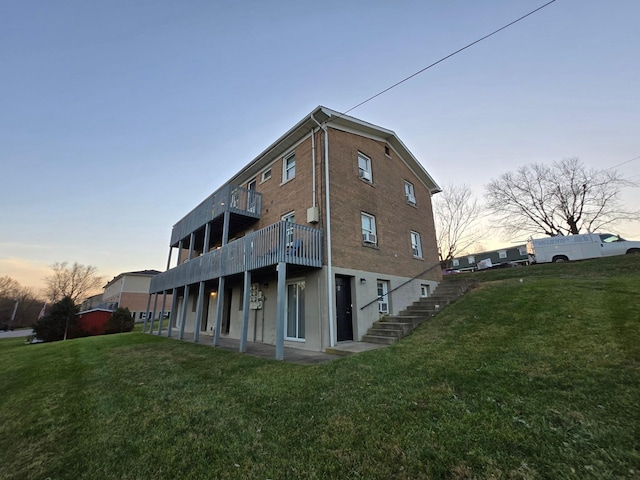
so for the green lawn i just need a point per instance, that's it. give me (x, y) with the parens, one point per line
(533, 374)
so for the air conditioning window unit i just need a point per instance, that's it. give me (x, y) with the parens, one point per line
(369, 238)
(365, 175)
(411, 199)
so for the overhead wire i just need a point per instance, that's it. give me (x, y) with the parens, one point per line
(449, 56)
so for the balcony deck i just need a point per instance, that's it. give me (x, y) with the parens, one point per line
(240, 202)
(280, 242)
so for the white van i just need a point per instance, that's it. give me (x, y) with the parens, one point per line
(578, 247)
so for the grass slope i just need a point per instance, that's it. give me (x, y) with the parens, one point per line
(527, 379)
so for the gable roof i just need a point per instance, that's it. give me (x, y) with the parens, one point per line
(340, 121)
(139, 273)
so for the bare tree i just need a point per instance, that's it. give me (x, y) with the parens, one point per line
(456, 214)
(19, 306)
(563, 198)
(76, 281)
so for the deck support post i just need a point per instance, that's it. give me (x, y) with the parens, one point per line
(281, 310)
(219, 312)
(174, 311)
(196, 333)
(185, 309)
(161, 319)
(153, 314)
(245, 311)
(144, 325)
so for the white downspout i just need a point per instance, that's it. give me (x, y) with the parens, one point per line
(328, 216)
(313, 168)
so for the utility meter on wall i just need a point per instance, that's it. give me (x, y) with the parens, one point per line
(255, 299)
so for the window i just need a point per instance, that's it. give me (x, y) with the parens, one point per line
(364, 167)
(295, 311)
(369, 229)
(251, 200)
(416, 245)
(387, 151)
(291, 218)
(383, 296)
(289, 168)
(266, 175)
(424, 290)
(409, 193)
(502, 254)
(455, 262)
(235, 198)
(471, 259)
(522, 250)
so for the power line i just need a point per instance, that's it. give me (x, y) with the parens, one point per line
(623, 163)
(449, 56)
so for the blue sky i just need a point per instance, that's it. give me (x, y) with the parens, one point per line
(118, 117)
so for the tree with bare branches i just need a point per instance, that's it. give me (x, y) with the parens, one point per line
(19, 305)
(76, 282)
(457, 214)
(563, 198)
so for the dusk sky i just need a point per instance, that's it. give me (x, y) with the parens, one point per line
(118, 117)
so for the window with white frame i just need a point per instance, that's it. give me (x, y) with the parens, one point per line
(291, 218)
(364, 167)
(289, 167)
(424, 290)
(471, 259)
(251, 197)
(522, 250)
(502, 254)
(266, 175)
(409, 193)
(295, 311)
(416, 244)
(383, 296)
(369, 235)
(455, 262)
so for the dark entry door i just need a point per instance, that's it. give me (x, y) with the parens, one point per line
(343, 309)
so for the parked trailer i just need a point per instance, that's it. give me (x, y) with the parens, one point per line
(579, 247)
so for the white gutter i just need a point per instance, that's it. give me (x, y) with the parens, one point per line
(328, 217)
(313, 167)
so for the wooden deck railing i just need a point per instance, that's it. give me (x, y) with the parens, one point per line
(279, 242)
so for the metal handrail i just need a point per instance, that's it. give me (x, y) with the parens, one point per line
(401, 285)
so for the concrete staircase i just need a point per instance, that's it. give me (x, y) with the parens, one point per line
(392, 328)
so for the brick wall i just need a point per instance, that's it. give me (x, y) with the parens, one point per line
(384, 198)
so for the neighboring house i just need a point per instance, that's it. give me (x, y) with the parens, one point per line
(308, 244)
(129, 290)
(508, 256)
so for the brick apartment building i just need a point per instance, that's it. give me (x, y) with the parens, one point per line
(129, 290)
(308, 244)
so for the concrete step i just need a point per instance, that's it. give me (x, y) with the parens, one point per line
(379, 339)
(381, 332)
(392, 327)
(386, 325)
(422, 309)
(411, 321)
(433, 301)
